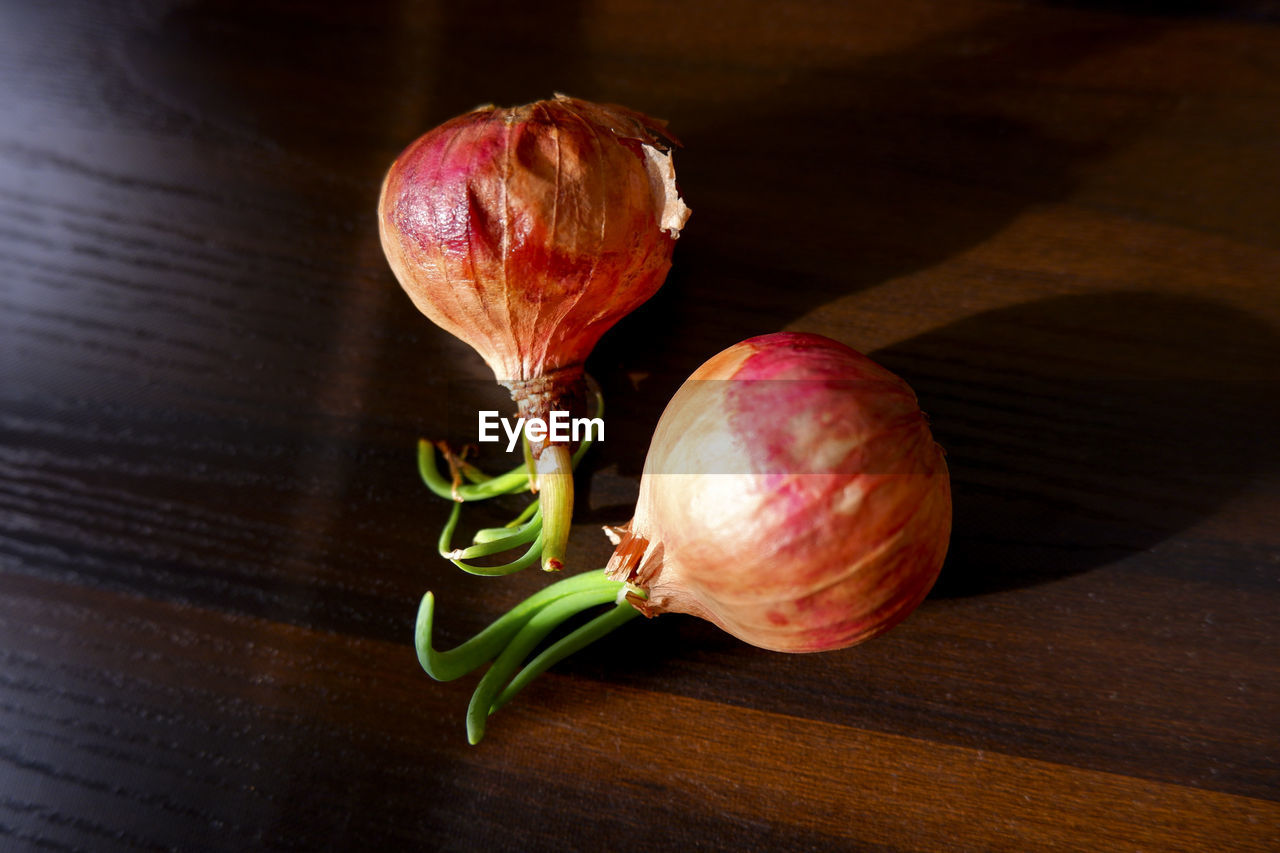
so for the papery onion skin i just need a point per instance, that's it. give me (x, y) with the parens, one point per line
(528, 232)
(801, 506)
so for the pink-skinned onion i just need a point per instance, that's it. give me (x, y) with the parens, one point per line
(792, 495)
(528, 232)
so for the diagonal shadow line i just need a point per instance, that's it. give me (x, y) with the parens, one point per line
(848, 177)
(1081, 430)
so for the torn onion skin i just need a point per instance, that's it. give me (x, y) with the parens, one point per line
(528, 232)
(792, 495)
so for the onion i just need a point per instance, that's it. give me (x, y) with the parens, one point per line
(527, 233)
(792, 495)
(800, 506)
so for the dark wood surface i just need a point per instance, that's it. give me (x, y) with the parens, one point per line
(1060, 222)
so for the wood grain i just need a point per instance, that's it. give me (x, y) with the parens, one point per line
(821, 781)
(1060, 222)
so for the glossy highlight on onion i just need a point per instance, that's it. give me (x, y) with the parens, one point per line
(792, 495)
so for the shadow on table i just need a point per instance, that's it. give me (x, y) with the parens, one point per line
(1083, 429)
(848, 177)
(1079, 430)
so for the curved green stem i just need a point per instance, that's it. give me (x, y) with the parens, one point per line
(530, 532)
(526, 639)
(491, 534)
(598, 399)
(545, 532)
(445, 543)
(509, 640)
(524, 561)
(575, 641)
(471, 472)
(483, 647)
(515, 480)
(490, 545)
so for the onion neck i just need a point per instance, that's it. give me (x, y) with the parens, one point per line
(550, 465)
(467, 483)
(561, 389)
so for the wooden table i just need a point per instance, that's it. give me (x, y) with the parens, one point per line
(1060, 224)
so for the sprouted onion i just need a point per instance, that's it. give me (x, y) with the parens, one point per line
(792, 495)
(527, 233)
(467, 483)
